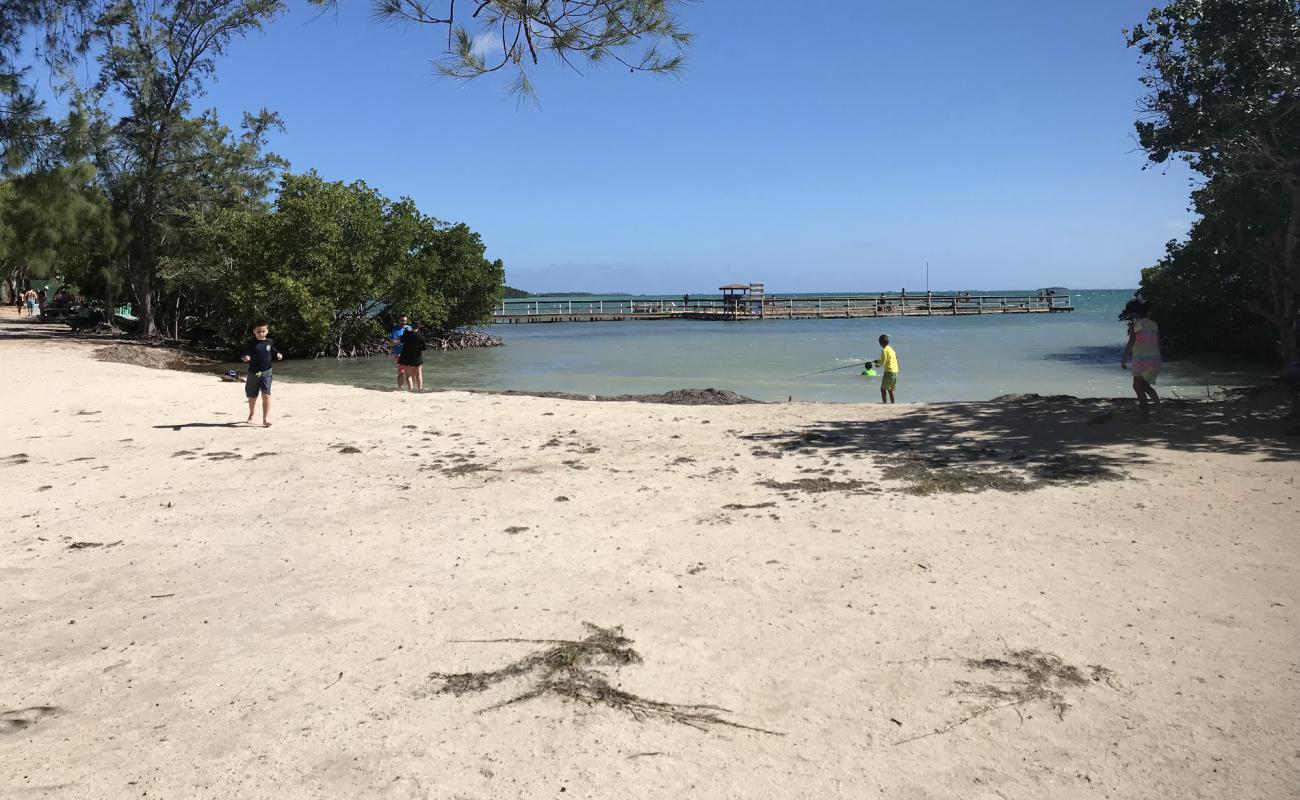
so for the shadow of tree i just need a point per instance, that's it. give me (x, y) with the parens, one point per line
(1020, 443)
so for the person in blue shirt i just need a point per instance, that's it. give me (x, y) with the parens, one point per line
(403, 325)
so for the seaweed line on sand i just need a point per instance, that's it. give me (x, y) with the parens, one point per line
(1023, 677)
(820, 485)
(569, 669)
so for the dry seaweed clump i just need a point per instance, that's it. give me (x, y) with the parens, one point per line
(923, 477)
(570, 670)
(1020, 678)
(1030, 676)
(820, 486)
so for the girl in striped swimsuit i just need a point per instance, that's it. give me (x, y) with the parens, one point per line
(1143, 350)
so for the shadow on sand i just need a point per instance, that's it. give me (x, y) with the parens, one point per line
(178, 426)
(1040, 441)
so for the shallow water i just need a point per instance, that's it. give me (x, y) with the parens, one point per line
(941, 358)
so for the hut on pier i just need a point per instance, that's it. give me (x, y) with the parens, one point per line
(742, 299)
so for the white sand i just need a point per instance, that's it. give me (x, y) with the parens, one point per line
(199, 655)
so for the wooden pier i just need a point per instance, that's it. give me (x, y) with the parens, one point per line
(764, 306)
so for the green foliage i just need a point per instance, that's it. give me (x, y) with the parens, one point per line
(56, 28)
(134, 192)
(1224, 95)
(511, 293)
(53, 221)
(318, 262)
(332, 263)
(1222, 76)
(1202, 286)
(159, 162)
(639, 35)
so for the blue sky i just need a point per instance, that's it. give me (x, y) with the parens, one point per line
(835, 150)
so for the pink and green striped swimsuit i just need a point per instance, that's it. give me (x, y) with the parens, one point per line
(1146, 349)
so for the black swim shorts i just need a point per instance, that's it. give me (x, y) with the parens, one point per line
(258, 382)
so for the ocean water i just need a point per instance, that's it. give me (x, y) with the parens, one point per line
(940, 358)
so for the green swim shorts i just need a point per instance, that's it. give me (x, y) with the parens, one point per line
(889, 381)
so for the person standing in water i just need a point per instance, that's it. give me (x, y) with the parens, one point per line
(888, 362)
(1143, 350)
(403, 325)
(411, 361)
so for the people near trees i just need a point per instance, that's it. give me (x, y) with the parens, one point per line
(411, 360)
(1143, 350)
(403, 325)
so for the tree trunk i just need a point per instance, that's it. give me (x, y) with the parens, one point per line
(143, 285)
(1289, 285)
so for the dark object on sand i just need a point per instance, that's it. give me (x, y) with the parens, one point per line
(1033, 398)
(1017, 679)
(676, 397)
(569, 670)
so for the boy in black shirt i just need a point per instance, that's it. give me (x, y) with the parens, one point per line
(259, 354)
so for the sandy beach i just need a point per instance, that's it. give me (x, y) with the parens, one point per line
(1026, 598)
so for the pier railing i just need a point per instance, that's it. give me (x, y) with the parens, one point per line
(777, 306)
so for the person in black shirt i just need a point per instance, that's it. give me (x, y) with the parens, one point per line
(259, 354)
(412, 358)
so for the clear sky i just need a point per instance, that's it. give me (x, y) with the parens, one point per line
(840, 149)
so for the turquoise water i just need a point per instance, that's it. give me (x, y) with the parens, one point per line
(941, 358)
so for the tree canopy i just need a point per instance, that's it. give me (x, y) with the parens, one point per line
(1223, 80)
(332, 263)
(483, 37)
(139, 195)
(487, 36)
